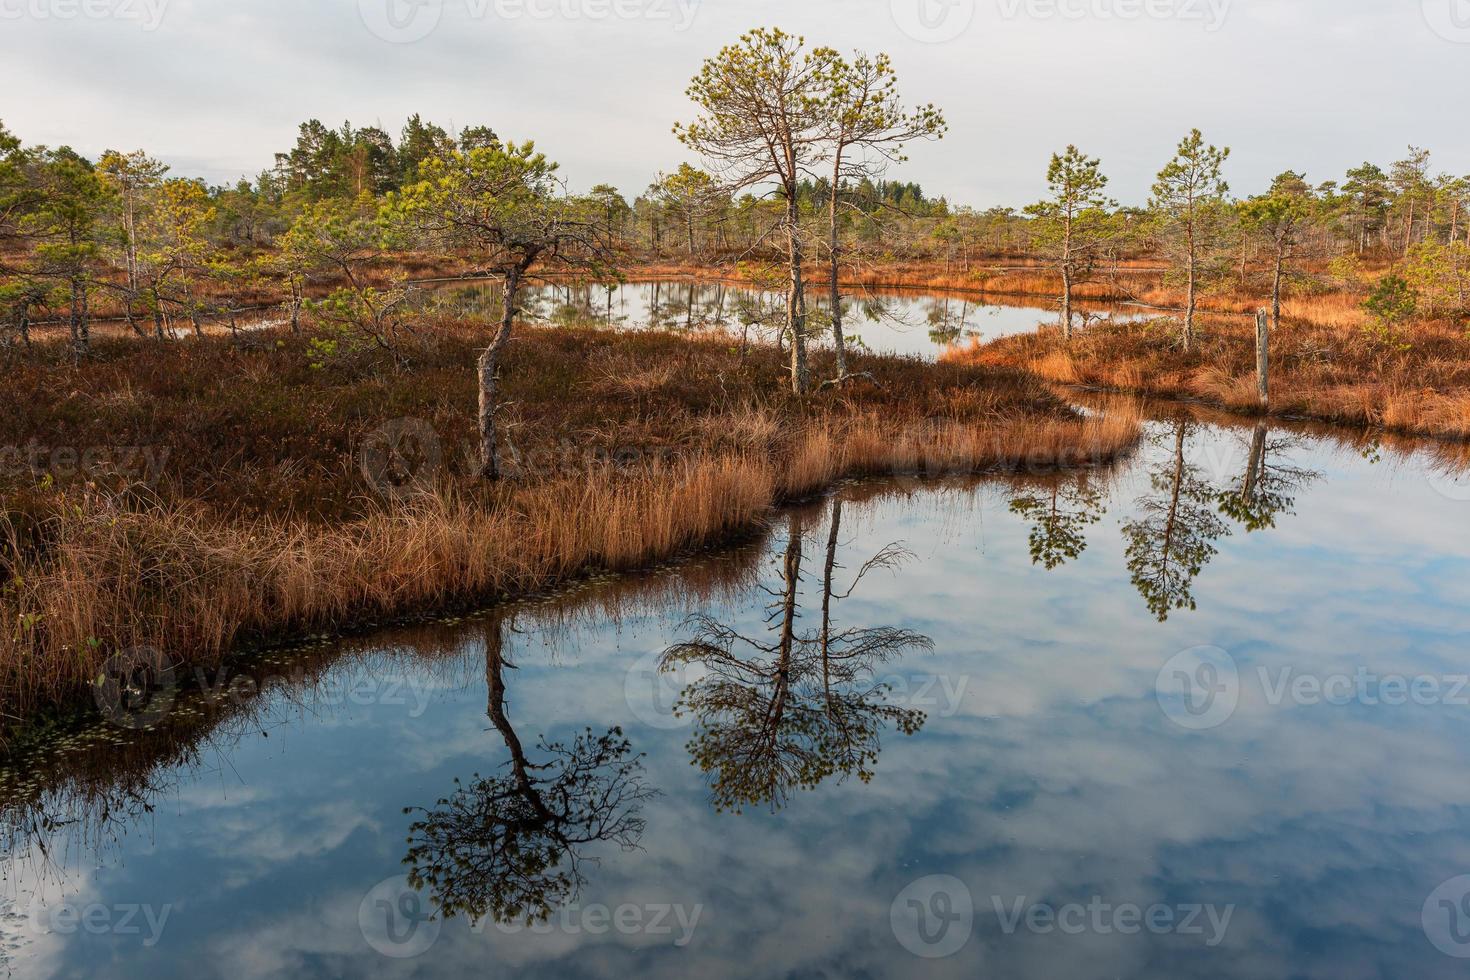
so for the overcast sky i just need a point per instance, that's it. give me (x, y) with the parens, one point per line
(215, 87)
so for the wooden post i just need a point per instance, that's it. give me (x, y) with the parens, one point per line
(1263, 347)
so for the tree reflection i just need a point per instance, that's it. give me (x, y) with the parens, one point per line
(1060, 513)
(795, 707)
(948, 325)
(1172, 538)
(1267, 489)
(511, 845)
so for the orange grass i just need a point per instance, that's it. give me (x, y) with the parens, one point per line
(262, 528)
(1417, 384)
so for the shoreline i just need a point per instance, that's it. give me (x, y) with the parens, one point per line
(94, 574)
(1420, 390)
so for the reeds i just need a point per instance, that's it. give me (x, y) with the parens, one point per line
(1417, 382)
(226, 551)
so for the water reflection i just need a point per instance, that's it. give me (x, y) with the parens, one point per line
(1060, 512)
(1192, 498)
(1270, 485)
(513, 846)
(795, 707)
(883, 320)
(1049, 775)
(1173, 535)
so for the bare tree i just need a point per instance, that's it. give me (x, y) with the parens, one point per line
(795, 708)
(763, 122)
(868, 129)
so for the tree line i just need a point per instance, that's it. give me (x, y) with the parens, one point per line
(794, 144)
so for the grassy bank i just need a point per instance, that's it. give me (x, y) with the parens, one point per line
(1141, 283)
(1416, 383)
(189, 498)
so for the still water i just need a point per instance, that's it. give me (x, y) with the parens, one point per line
(887, 321)
(1201, 714)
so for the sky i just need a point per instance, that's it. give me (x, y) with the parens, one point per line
(216, 87)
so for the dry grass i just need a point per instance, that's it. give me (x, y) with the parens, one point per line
(262, 528)
(1010, 279)
(1419, 384)
(1138, 282)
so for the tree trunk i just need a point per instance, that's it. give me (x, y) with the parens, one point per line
(835, 291)
(1066, 302)
(796, 297)
(132, 318)
(80, 329)
(1191, 301)
(1276, 287)
(827, 573)
(23, 322)
(489, 367)
(1263, 349)
(1253, 464)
